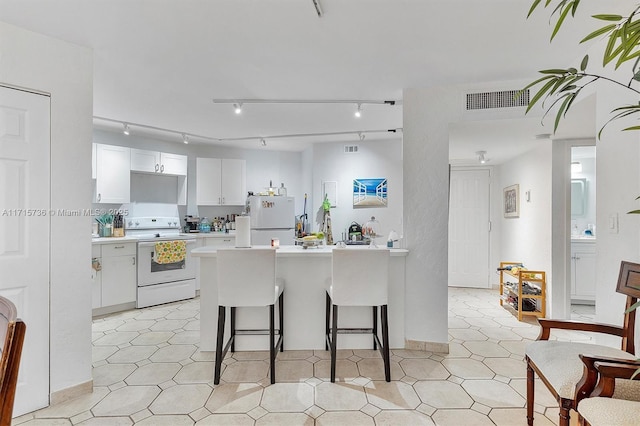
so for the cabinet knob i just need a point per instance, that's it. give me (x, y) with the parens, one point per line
(162, 169)
(134, 260)
(157, 167)
(99, 197)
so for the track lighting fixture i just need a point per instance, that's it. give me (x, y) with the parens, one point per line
(481, 157)
(237, 108)
(186, 138)
(358, 113)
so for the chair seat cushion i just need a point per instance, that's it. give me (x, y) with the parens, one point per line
(560, 364)
(609, 411)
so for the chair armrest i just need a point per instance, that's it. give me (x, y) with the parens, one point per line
(547, 324)
(590, 383)
(609, 372)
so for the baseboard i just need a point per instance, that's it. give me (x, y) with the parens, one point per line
(419, 345)
(63, 395)
(113, 309)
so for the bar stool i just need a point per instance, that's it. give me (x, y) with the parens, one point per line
(359, 277)
(247, 277)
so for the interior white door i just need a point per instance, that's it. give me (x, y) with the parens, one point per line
(25, 233)
(469, 229)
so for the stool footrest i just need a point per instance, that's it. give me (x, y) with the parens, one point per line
(355, 330)
(250, 332)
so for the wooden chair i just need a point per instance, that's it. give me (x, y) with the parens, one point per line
(615, 399)
(558, 363)
(12, 331)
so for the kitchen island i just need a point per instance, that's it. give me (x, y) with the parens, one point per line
(305, 272)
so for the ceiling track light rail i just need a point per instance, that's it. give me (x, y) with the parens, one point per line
(304, 101)
(188, 137)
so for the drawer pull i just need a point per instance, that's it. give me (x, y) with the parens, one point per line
(118, 247)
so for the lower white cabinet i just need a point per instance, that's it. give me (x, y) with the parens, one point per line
(219, 240)
(116, 280)
(583, 270)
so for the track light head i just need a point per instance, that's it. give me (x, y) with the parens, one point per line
(361, 136)
(237, 108)
(125, 129)
(358, 112)
(263, 142)
(481, 157)
(185, 139)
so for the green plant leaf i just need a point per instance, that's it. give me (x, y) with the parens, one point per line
(562, 110)
(554, 71)
(533, 7)
(632, 128)
(605, 17)
(632, 307)
(598, 32)
(540, 94)
(583, 64)
(561, 19)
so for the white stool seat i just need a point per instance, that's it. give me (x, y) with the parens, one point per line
(359, 277)
(247, 278)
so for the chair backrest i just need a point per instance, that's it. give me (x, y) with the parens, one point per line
(12, 332)
(360, 276)
(246, 276)
(629, 285)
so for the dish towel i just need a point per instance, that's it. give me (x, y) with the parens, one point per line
(170, 252)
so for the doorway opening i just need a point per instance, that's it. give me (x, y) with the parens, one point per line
(583, 230)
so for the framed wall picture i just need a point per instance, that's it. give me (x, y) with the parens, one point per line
(370, 192)
(512, 201)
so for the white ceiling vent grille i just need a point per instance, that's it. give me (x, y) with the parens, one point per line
(503, 99)
(350, 149)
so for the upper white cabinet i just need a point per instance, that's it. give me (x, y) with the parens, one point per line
(158, 162)
(220, 182)
(113, 180)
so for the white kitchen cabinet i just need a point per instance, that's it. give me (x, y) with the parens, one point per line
(220, 182)
(113, 178)
(158, 162)
(118, 273)
(583, 270)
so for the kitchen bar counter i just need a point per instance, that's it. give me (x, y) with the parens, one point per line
(305, 272)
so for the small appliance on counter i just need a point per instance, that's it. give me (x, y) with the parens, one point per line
(192, 224)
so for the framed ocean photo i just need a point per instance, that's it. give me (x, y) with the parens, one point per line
(370, 192)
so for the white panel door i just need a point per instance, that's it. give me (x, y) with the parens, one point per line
(469, 229)
(25, 232)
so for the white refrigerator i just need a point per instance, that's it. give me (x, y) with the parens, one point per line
(272, 217)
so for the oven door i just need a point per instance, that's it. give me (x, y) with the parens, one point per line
(150, 272)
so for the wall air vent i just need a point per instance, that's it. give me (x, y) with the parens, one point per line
(350, 149)
(503, 99)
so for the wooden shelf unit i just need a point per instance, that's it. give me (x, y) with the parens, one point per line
(537, 278)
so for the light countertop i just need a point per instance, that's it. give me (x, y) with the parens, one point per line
(293, 251)
(127, 238)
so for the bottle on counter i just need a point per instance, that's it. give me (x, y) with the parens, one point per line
(282, 190)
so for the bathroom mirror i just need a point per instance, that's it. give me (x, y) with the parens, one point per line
(578, 195)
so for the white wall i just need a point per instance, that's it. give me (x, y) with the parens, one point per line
(374, 159)
(65, 71)
(527, 238)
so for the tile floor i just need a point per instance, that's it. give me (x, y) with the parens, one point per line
(147, 370)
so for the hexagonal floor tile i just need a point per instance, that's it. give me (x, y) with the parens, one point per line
(287, 397)
(392, 395)
(443, 394)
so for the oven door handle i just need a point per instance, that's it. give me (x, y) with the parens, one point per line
(149, 244)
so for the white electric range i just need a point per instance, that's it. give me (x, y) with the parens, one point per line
(160, 281)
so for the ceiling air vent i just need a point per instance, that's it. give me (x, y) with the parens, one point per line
(503, 99)
(350, 149)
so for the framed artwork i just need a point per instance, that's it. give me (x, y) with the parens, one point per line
(512, 201)
(370, 192)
